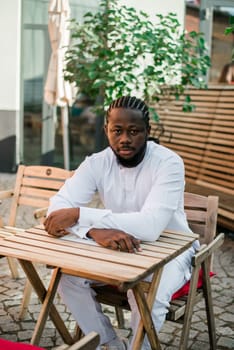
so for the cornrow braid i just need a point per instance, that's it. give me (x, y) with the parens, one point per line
(130, 102)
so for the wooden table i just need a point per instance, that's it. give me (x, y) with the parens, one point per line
(123, 270)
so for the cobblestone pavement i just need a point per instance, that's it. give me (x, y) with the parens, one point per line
(12, 328)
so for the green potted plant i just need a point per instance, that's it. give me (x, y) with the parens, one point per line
(118, 51)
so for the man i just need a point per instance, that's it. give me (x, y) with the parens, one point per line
(141, 185)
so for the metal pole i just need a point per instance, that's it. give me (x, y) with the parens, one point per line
(65, 128)
(48, 134)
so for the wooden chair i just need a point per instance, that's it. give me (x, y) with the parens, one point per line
(88, 342)
(202, 216)
(34, 185)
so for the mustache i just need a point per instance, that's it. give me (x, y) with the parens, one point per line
(126, 148)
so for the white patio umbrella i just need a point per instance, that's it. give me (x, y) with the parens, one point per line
(57, 91)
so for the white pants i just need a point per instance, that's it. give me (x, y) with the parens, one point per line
(80, 299)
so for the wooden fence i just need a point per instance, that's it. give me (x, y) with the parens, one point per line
(204, 139)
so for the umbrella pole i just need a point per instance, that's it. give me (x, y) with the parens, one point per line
(48, 134)
(65, 129)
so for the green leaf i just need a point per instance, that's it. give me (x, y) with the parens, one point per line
(153, 113)
(98, 83)
(92, 74)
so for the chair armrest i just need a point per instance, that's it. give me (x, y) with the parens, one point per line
(40, 213)
(6, 194)
(208, 250)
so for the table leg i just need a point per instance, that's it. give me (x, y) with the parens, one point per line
(145, 302)
(46, 297)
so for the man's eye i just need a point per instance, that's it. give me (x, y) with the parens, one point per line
(117, 131)
(134, 132)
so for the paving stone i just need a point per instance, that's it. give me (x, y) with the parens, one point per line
(25, 335)
(193, 334)
(230, 308)
(46, 343)
(203, 337)
(10, 326)
(11, 337)
(170, 327)
(218, 303)
(176, 341)
(219, 323)
(5, 319)
(226, 343)
(27, 325)
(198, 345)
(225, 331)
(49, 332)
(227, 317)
(27, 317)
(217, 310)
(196, 317)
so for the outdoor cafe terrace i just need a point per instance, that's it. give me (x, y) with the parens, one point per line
(12, 328)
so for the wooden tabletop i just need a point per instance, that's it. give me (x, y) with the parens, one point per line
(93, 261)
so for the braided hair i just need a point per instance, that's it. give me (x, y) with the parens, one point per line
(130, 102)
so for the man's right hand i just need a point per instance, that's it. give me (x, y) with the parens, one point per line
(115, 239)
(59, 220)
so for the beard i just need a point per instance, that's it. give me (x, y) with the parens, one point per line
(135, 160)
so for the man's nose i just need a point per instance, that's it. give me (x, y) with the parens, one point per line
(125, 138)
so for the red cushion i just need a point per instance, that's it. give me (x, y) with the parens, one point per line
(10, 345)
(185, 289)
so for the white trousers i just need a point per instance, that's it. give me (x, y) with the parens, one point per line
(79, 297)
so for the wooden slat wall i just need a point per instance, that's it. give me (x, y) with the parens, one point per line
(204, 139)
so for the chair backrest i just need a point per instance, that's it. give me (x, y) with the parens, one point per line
(202, 212)
(34, 186)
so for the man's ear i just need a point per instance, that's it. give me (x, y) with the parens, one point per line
(149, 129)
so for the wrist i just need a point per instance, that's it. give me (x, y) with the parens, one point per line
(76, 215)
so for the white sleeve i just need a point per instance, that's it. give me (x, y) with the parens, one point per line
(77, 192)
(157, 211)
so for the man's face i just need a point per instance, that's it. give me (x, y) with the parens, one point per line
(126, 131)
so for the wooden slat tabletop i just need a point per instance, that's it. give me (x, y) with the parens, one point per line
(93, 261)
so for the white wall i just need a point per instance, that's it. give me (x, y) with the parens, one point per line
(10, 32)
(163, 7)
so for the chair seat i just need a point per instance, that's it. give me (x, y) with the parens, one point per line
(110, 296)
